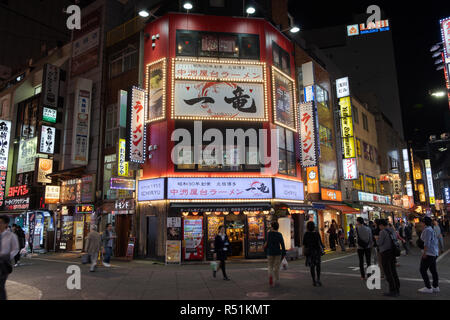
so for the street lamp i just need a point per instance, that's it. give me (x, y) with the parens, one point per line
(251, 10)
(294, 29)
(188, 6)
(438, 94)
(144, 13)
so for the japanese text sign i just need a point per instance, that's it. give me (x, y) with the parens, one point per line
(152, 189)
(308, 135)
(5, 135)
(136, 139)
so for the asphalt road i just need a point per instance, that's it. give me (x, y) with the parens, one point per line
(45, 278)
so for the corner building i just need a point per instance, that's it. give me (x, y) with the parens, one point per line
(223, 73)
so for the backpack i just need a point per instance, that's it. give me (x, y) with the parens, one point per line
(363, 244)
(395, 244)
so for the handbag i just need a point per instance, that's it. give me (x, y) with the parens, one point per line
(361, 242)
(395, 245)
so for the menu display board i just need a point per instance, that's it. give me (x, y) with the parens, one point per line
(173, 252)
(174, 228)
(213, 229)
(193, 238)
(256, 235)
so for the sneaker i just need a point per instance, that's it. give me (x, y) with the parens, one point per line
(425, 290)
(106, 264)
(226, 279)
(436, 290)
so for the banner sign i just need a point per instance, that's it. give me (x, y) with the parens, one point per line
(136, 139)
(445, 32)
(52, 194)
(47, 144)
(45, 167)
(123, 184)
(49, 115)
(312, 179)
(308, 135)
(50, 86)
(27, 155)
(5, 135)
(17, 203)
(284, 103)
(430, 182)
(2, 187)
(81, 122)
(290, 190)
(350, 169)
(197, 100)
(219, 188)
(122, 170)
(342, 87)
(152, 189)
(375, 198)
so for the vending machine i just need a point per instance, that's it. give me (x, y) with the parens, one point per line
(193, 238)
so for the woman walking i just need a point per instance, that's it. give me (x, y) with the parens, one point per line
(333, 236)
(351, 237)
(313, 249)
(221, 246)
(276, 252)
(341, 237)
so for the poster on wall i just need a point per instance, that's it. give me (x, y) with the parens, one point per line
(307, 135)
(173, 252)
(5, 135)
(47, 144)
(50, 86)
(27, 155)
(174, 228)
(219, 101)
(283, 100)
(136, 138)
(45, 167)
(157, 90)
(81, 122)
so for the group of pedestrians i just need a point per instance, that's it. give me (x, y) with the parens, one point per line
(96, 242)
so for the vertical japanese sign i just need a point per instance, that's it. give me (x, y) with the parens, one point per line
(123, 100)
(445, 32)
(430, 182)
(307, 135)
(122, 169)
(136, 138)
(2, 187)
(81, 122)
(27, 155)
(47, 144)
(5, 135)
(49, 115)
(342, 87)
(350, 169)
(50, 86)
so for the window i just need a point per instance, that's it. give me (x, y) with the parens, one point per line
(365, 122)
(322, 96)
(281, 58)
(359, 184)
(366, 151)
(358, 148)
(112, 129)
(326, 137)
(207, 44)
(355, 115)
(287, 162)
(123, 61)
(371, 184)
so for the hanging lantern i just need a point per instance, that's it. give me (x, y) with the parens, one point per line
(225, 213)
(208, 213)
(236, 213)
(185, 214)
(266, 212)
(195, 213)
(217, 213)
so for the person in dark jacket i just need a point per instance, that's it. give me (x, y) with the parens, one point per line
(221, 249)
(21, 237)
(333, 235)
(351, 237)
(276, 251)
(313, 249)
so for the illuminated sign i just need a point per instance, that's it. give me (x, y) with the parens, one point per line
(45, 167)
(309, 93)
(5, 134)
(312, 177)
(50, 86)
(17, 203)
(375, 198)
(348, 140)
(406, 160)
(378, 26)
(156, 88)
(353, 30)
(290, 190)
(219, 188)
(445, 33)
(2, 186)
(81, 122)
(430, 182)
(123, 184)
(18, 191)
(409, 189)
(342, 87)
(84, 209)
(122, 169)
(308, 139)
(284, 102)
(52, 194)
(331, 195)
(152, 189)
(136, 139)
(447, 195)
(49, 115)
(124, 204)
(350, 169)
(47, 144)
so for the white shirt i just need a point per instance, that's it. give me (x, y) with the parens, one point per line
(10, 244)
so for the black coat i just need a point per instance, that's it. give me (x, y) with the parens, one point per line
(220, 245)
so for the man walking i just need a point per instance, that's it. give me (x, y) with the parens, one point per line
(108, 243)
(365, 244)
(21, 238)
(429, 256)
(9, 247)
(385, 244)
(438, 231)
(93, 246)
(403, 234)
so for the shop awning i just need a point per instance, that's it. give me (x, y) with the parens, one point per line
(353, 205)
(204, 207)
(343, 208)
(388, 208)
(68, 174)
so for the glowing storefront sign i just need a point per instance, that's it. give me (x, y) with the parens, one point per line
(287, 189)
(430, 182)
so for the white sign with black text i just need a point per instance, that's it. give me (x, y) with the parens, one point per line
(150, 190)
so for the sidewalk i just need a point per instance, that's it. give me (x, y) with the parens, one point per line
(19, 291)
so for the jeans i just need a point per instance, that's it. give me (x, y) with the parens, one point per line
(274, 263)
(390, 270)
(2, 286)
(108, 254)
(429, 262)
(361, 253)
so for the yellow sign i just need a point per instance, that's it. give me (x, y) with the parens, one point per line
(346, 107)
(123, 165)
(349, 147)
(347, 127)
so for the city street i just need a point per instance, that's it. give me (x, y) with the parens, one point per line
(45, 277)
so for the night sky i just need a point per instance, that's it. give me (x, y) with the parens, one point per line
(415, 28)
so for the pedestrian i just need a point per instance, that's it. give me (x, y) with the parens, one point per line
(377, 257)
(313, 249)
(108, 244)
(351, 236)
(408, 234)
(437, 229)
(365, 243)
(18, 231)
(276, 251)
(221, 249)
(9, 247)
(93, 246)
(403, 234)
(386, 245)
(332, 235)
(341, 237)
(429, 257)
